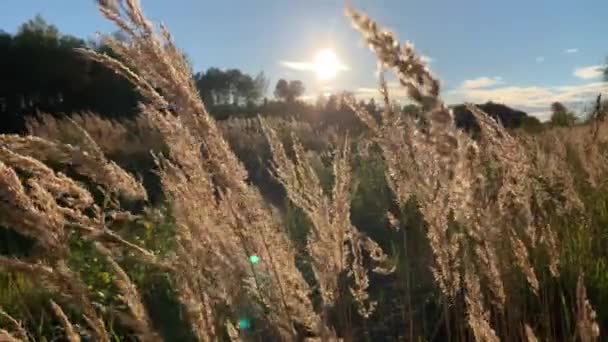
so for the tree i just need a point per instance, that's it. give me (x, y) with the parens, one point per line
(532, 124)
(236, 82)
(260, 83)
(320, 102)
(371, 106)
(42, 72)
(281, 90)
(412, 110)
(289, 91)
(296, 89)
(213, 85)
(232, 86)
(248, 89)
(507, 116)
(561, 116)
(331, 105)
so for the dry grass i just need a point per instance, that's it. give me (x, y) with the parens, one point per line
(334, 244)
(113, 138)
(446, 171)
(480, 200)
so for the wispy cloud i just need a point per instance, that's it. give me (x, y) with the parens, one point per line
(481, 82)
(366, 91)
(427, 59)
(542, 115)
(535, 100)
(307, 98)
(298, 65)
(589, 72)
(573, 50)
(540, 59)
(396, 91)
(310, 66)
(532, 98)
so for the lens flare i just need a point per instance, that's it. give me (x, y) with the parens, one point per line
(254, 259)
(244, 323)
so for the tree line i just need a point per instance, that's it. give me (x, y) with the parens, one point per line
(40, 71)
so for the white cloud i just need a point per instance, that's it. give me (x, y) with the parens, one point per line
(532, 98)
(481, 82)
(366, 90)
(307, 98)
(589, 72)
(535, 100)
(315, 64)
(396, 91)
(427, 59)
(542, 115)
(573, 50)
(298, 65)
(540, 59)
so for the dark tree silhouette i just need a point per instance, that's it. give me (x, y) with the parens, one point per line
(296, 89)
(41, 71)
(218, 87)
(289, 91)
(561, 116)
(507, 116)
(281, 90)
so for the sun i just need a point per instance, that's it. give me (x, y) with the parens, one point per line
(326, 64)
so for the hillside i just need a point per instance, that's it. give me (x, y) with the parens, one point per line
(509, 117)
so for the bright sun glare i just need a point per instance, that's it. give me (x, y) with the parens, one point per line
(326, 64)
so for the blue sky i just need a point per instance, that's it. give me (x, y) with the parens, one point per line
(526, 53)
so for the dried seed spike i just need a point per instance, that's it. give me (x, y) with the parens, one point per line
(70, 332)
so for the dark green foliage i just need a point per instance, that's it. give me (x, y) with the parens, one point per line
(408, 299)
(508, 117)
(288, 91)
(42, 72)
(410, 110)
(563, 119)
(218, 87)
(532, 125)
(14, 244)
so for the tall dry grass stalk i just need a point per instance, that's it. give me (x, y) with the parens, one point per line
(586, 143)
(44, 204)
(334, 244)
(19, 334)
(586, 325)
(488, 186)
(70, 333)
(221, 219)
(113, 137)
